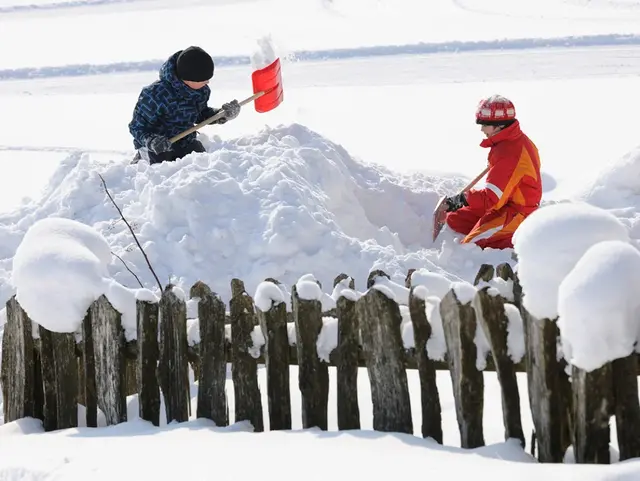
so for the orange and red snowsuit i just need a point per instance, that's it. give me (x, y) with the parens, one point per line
(513, 191)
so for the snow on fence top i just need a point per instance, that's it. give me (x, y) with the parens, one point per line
(60, 269)
(599, 305)
(551, 241)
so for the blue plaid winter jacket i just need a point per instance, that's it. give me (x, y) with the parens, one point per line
(168, 106)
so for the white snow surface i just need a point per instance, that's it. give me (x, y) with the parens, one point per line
(599, 306)
(549, 243)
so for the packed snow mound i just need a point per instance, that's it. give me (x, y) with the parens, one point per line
(599, 306)
(616, 187)
(550, 242)
(282, 203)
(60, 268)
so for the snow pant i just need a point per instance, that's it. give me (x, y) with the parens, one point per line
(177, 152)
(493, 229)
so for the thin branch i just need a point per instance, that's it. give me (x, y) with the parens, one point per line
(127, 267)
(130, 230)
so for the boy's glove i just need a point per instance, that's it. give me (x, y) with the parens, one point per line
(158, 144)
(231, 109)
(456, 202)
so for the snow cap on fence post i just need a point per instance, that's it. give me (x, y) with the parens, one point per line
(549, 243)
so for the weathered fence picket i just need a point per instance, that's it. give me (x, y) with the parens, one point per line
(248, 401)
(276, 359)
(212, 378)
(379, 317)
(347, 359)
(313, 373)
(460, 326)
(173, 363)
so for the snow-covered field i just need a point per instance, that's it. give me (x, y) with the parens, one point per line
(377, 123)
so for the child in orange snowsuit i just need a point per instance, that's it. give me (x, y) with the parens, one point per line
(490, 216)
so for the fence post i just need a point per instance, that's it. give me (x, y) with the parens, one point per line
(429, 395)
(89, 372)
(276, 358)
(173, 364)
(347, 360)
(147, 365)
(60, 379)
(212, 378)
(459, 324)
(379, 319)
(493, 319)
(592, 408)
(18, 365)
(627, 409)
(108, 346)
(549, 388)
(313, 373)
(244, 366)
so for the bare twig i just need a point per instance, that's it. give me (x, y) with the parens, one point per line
(127, 267)
(130, 230)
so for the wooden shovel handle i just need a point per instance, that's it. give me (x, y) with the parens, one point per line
(220, 114)
(475, 181)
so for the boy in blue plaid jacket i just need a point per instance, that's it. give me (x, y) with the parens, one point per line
(172, 104)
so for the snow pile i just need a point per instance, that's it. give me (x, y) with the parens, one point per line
(615, 187)
(282, 203)
(599, 305)
(550, 242)
(60, 268)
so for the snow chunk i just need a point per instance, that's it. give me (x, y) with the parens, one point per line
(268, 294)
(257, 337)
(499, 287)
(59, 270)
(515, 333)
(328, 337)
(386, 290)
(465, 291)
(308, 288)
(342, 289)
(599, 305)
(436, 284)
(399, 293)
(436, 345)
(549, 243)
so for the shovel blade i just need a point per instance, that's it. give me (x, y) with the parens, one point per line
(268, 80)
(439, 215)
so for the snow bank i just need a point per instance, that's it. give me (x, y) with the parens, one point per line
(615, 187)
(550, 242)
(599, 305)
(61, 268)
(282, 203)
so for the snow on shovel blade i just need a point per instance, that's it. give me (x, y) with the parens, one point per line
(269, 81)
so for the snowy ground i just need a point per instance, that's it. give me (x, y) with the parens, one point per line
(377, 123)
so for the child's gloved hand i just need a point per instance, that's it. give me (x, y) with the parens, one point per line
(231, 109)
(158, 144)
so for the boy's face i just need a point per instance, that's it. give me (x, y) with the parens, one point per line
(195, 85)
(490, 130)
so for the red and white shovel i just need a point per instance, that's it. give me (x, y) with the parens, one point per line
(267, 93)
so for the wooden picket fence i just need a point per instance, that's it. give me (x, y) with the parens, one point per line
(47, 375)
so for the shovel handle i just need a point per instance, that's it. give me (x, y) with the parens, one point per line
(475, 181)
(217, 116)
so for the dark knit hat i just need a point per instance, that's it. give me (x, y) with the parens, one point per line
(194, 64)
